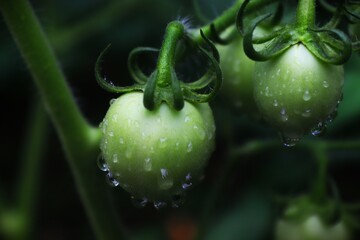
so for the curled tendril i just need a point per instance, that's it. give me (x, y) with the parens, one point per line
(213, 75)
(344, 9)
(216, 37)
(327, 43)
(133, 67)
(109, 86)
(277, 42)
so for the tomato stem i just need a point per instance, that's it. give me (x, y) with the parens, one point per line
(174, 33)
(227, 18)
(305, 14)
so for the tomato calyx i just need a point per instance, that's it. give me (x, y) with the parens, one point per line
(163, 84)
(327, 43)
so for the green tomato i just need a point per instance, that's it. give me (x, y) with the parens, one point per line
(295, 92)
(237, 71)
(156, 155)
(312, 228)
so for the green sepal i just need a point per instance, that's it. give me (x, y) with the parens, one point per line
(279, 41)
(326, 48)
(219, 40)
(133, 67)
(109, 86)
(213, 75)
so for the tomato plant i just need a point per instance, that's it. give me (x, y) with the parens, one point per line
(156, 155)
(157, 138)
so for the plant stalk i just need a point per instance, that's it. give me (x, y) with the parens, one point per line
(305, 14)
(79, 139)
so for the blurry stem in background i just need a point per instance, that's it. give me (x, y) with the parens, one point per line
(227, 18)
(67, 38)
(318, 188)
(79, 139)
(31, 160)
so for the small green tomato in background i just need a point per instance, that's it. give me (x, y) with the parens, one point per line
(156, 155)
(237, 71)
(297, 93)
(312, 228)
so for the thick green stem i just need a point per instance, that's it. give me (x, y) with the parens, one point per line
(174, 33)
(305, 14)
(80, 140)
(319, 186)
(227, 18)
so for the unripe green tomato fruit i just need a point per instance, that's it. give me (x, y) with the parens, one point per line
(312, 228)
(237, 71)
(296, 92)
(157, 154)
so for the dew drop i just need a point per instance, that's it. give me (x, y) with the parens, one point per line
(139, 202)
(187, 184)
(325, 84)
(163, 142)
(115, 158)
(319, 129)
(102, 164)
(111, 180)
(289, 141)
(332, 116)
(275, 103)
(283, 115)
(164, 173)
(307, 95)
(306, 113)
(187, 119)
(121, 140)
(112, 101)
(111, 134)
(147, 165)
(165, 182)
(267, 92)
(189, 147)
(159, 205)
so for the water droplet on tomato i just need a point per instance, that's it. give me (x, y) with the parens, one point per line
(139, 202)
(112, 101)
(159, 205)
(283, 115)
(121, 140)
(289, 140)
(189, 147)
(307, 95)
(187, 184)
(165, 181)
(102, 164)
(147, 165)
(187, 119)
(325, 84)
(306, 113)
(319, 129)
(111, 134)
(275, 103)
(115, 158)
(332, 116)
(111, 180)
(163, 142)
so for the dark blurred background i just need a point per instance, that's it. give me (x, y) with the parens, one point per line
(79, 30)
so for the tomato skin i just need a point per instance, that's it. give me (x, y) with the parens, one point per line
(312, 228)
(237, 71)
(295, 91)
(154, 153)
